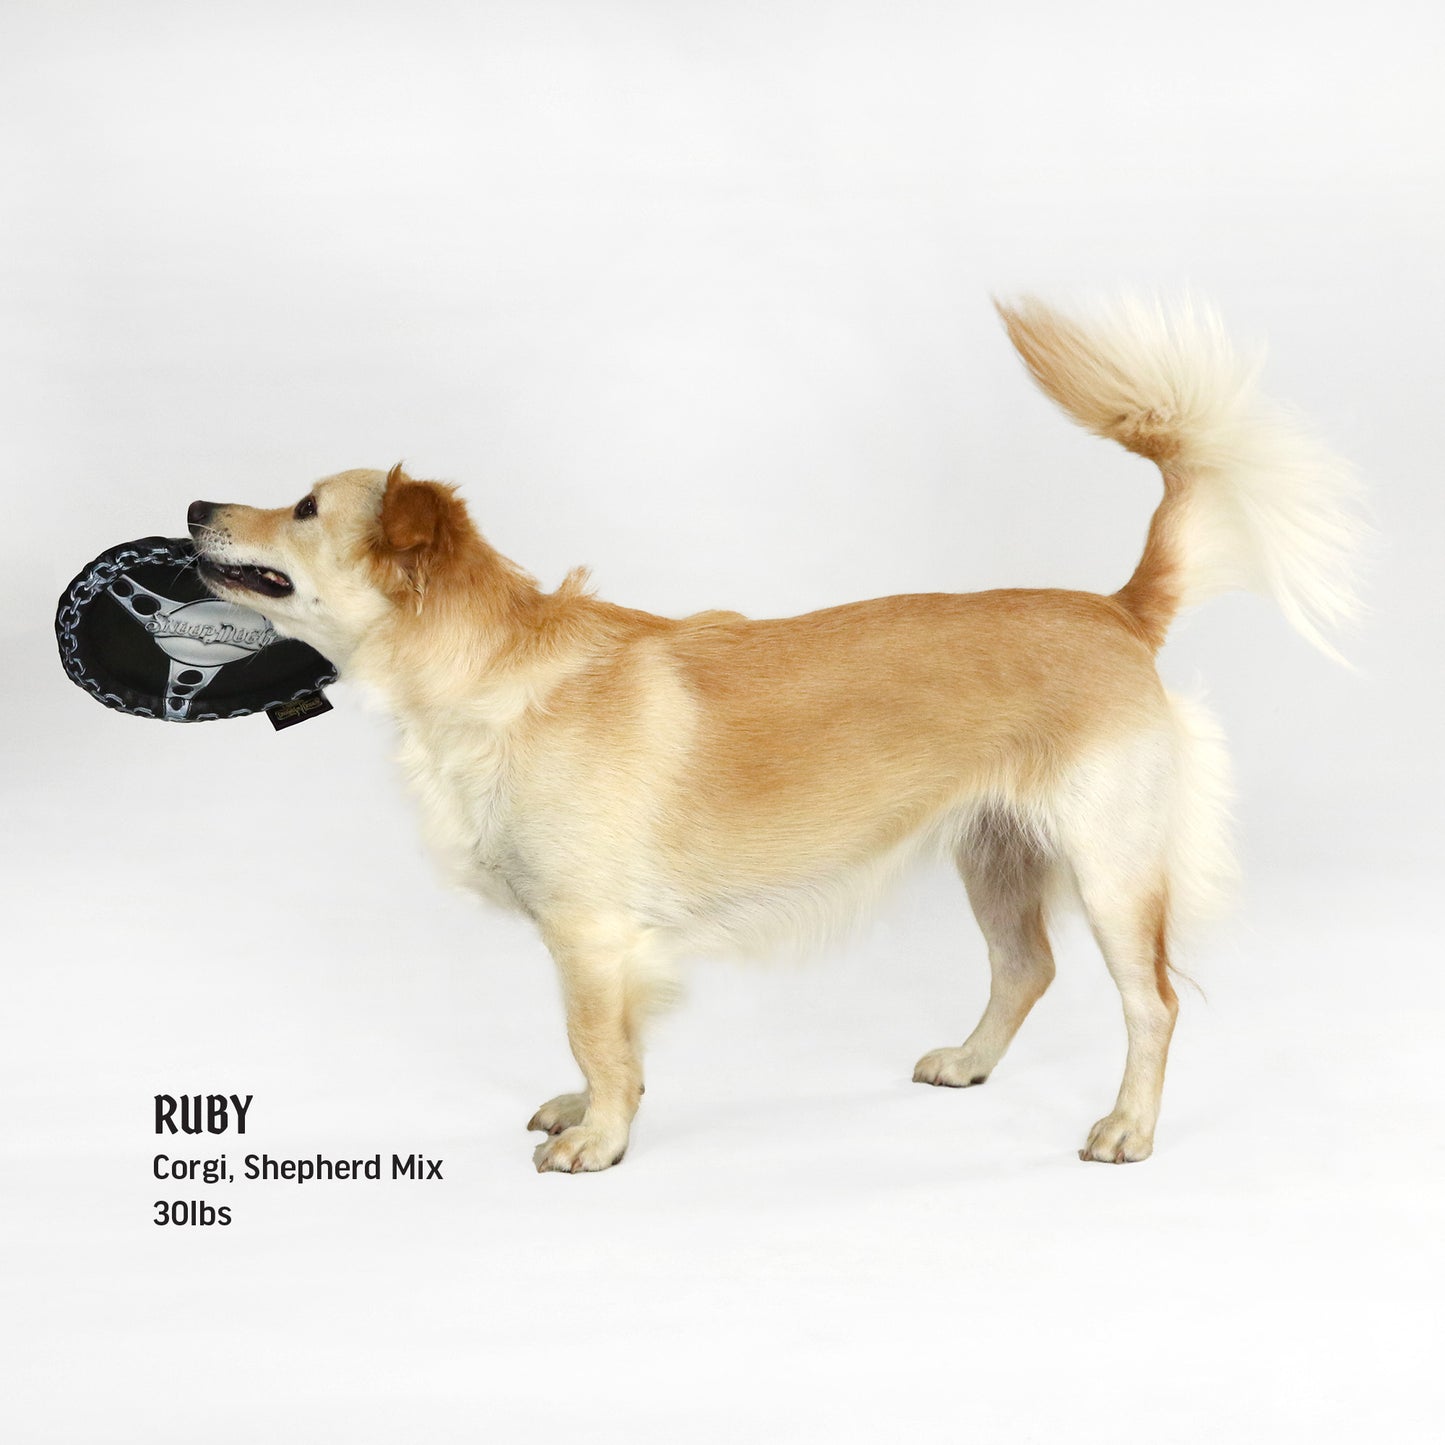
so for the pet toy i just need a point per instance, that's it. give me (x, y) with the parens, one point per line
(139, 631)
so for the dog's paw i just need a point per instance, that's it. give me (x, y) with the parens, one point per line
(581, 1149)
(1118, 1139)
(953, 1068)
(566, 1111)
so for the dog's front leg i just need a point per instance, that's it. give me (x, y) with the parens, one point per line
(601, 1017)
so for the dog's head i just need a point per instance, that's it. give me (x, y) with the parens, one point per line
(359, 546)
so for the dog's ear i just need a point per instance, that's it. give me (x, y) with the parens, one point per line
(422, 525)
(412, 513)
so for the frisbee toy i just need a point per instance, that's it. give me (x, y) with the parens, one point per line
(139, 631)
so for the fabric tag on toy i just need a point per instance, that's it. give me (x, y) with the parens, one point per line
(297, 710)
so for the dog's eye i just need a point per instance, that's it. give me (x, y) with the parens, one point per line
(306, 507)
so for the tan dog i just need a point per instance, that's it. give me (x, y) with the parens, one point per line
(646, 788)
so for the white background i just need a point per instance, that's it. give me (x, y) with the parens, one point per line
(699, 294)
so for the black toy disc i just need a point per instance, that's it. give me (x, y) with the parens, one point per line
(139, 631)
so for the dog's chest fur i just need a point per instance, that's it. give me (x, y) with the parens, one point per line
(459, 770)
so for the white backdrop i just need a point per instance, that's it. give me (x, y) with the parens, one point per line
(699, 294)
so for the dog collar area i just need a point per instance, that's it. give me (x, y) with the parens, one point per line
(140, 633)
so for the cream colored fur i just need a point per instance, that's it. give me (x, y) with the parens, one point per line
(645, 788)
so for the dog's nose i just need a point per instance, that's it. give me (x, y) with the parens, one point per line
(199, 513)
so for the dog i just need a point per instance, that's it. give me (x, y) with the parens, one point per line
(646, 788)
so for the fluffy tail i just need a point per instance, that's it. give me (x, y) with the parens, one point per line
(1249, 500)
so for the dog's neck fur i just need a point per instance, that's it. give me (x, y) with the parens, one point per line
(480, 643)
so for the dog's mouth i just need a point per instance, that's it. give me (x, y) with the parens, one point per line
(265, 580)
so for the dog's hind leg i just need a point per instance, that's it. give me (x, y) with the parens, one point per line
(1006, 874)
(1131, 932)
(1115, 832)
(609, 983)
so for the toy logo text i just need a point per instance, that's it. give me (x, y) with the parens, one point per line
(290, 711)
(201, 1113)
(253, 639)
